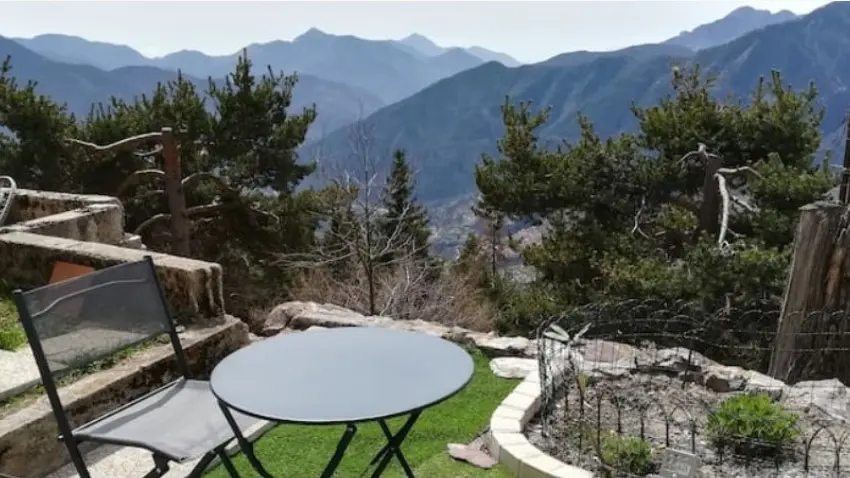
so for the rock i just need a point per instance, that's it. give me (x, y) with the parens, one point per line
(422, 327)
(603, 351)
(760, 383)
(679, 360)
(316, 327)
(724, 379)
(459, 335)
(471, 454)
(830, 397)
(512, 367)
(281, 315)
(503, 346)
(336, 317)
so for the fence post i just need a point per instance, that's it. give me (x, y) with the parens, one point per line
(812, 265)
(174, 192)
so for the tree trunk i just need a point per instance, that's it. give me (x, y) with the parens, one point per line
(806, 334)
(709, 214)
(174, 191)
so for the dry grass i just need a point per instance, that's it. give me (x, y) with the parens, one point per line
(406, 291)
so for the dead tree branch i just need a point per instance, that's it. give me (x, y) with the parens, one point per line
(137, 178)
(126, 144)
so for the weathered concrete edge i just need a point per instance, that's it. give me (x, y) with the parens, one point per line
(508, 444)
(99, 222)
(19, 389)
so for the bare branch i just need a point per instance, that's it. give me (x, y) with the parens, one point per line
(741, 170)
(636, 228)
(193, 179)
(148, 154)
(137, 177)
(125, 144)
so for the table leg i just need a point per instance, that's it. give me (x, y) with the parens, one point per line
(246, 446)
(393, 447)
(341, 446)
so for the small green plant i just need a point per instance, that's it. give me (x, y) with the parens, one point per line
(752, 426)
(628, 455)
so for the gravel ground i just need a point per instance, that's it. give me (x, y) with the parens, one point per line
(673, 414)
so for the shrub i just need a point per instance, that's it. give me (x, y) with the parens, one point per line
(631, 455)
(752, 426)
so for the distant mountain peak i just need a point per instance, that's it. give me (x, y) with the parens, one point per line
(417, 37)
(312, 34)
(421, 44)
(734, 25)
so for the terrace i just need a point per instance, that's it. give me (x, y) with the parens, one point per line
(47, 231)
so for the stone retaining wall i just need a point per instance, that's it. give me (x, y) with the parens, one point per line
(28, 444)
(72, 216)
(193, 288)
(30, 204)
(303, 315)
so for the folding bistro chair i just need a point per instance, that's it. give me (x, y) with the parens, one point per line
(72, 323)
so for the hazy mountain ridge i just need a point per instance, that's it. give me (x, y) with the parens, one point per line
(389, 70)
(736, 24)
(80, 86)
(447, 126)
(424, 46)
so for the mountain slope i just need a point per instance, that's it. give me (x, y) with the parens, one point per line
(734, 25)
(637, 52)
(423, 45)
(382, 68)
(81, 85)
(79, 51)
(447, 126)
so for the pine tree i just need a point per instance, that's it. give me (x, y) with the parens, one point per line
(405, 222)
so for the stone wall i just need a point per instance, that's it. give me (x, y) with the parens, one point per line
(304, 315)
(193, 288)
(73, 216)
(47, 227)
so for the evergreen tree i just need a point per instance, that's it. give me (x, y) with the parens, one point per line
(405, 222)
(625, 217)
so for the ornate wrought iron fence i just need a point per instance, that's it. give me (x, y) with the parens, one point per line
(622, 382)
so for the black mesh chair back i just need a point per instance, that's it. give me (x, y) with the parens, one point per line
(88, 318)
(73, 323)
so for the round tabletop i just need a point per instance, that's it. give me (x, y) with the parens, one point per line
(345, 375)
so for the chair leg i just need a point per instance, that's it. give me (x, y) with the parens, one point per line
(161, 467)
(228, 464)
(202, 465)
(207, 459)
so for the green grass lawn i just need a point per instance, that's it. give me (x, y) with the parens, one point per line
(11, 334)
(302, 451)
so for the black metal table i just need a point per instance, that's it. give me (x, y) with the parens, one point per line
(341, 376)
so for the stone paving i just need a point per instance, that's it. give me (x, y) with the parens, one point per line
(18, 372)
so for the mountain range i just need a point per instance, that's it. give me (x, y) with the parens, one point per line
(442, 103)
(447, 126)
(345, 77)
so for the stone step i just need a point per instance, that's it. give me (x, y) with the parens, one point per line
(18, 372)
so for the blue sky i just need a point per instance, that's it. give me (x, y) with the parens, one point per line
(529, 31)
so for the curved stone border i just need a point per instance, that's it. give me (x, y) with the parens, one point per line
(511, 448)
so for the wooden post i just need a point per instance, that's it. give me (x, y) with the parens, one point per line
(806, 289)
(845, 173)
(174, 192)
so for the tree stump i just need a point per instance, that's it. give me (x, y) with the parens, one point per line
(810, 337)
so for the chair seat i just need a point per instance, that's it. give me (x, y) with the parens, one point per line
(181, 421)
